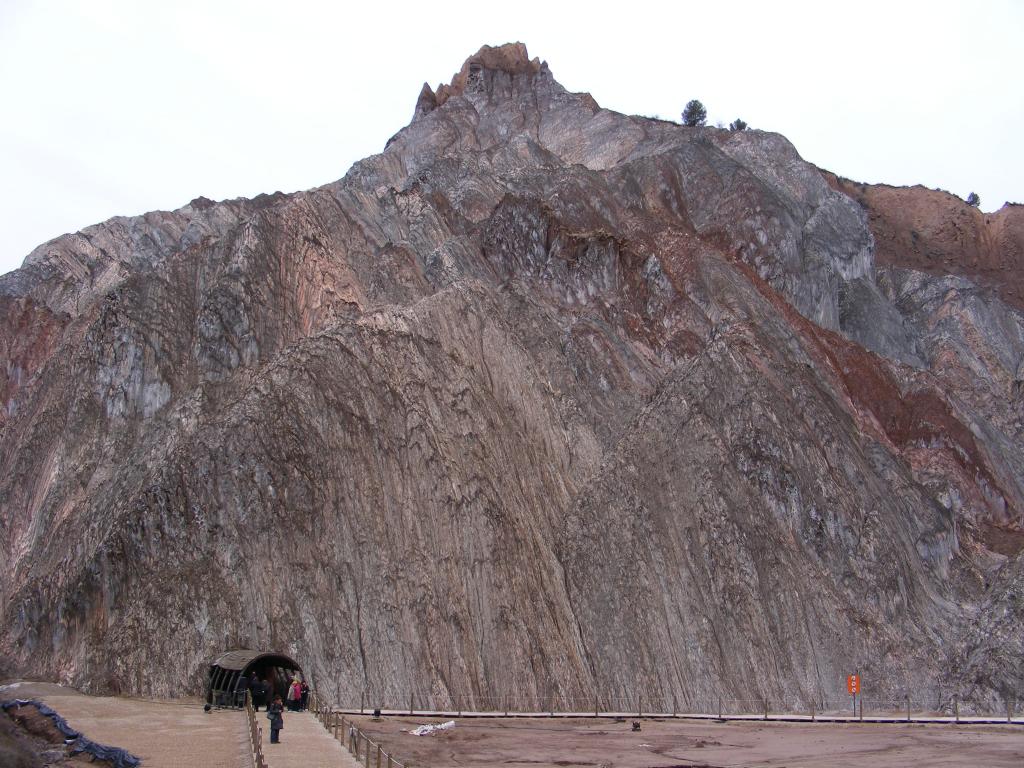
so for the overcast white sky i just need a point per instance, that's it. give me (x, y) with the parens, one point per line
(124, 106)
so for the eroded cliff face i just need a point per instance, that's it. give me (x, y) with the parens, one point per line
(542, 402)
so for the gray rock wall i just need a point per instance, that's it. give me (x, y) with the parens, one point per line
(543, 403)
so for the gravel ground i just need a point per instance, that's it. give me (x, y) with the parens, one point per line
(541, 743)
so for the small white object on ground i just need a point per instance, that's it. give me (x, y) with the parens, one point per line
(426, 730)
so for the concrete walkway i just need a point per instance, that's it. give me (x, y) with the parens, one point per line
(304, 744)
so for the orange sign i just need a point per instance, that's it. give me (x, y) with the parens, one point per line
(853, 684)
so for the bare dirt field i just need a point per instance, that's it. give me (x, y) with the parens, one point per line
(163, 734)
(539, 743)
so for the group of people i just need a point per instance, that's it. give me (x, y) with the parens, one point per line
(298, 695)
(298, 700)
(260, 690)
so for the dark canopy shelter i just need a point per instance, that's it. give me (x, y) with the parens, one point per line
(228, 668)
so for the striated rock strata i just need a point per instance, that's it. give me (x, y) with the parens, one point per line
(542, 403)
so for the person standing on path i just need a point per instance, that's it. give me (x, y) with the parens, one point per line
(294, 695)
(259, 692)
(274, 714)
(268, 690)
(304, 701)
(241, 687)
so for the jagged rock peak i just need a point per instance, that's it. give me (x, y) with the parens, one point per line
(478, 71)
(510, 57)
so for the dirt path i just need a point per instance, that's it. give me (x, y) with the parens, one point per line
(174, 734)
(304, 744)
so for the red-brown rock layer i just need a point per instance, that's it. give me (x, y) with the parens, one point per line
(938, 233)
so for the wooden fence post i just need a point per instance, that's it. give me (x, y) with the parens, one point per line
(766, 708)
(908, 708)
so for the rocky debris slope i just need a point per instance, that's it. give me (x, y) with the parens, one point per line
(542, 403)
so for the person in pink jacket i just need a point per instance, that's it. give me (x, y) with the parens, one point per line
(294, 695)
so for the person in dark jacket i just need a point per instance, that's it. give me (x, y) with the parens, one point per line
(259, 692)
(274, 714)
(304, 700)
(241, 688)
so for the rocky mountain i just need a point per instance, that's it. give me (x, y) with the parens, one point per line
(542, 403)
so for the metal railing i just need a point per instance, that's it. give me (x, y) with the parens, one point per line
(362, 747)
(222, 698)
(925, 706)
(255, 734)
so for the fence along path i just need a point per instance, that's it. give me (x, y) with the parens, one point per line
(893, 716)
(361, 747)
(304, 744)
(895, 710)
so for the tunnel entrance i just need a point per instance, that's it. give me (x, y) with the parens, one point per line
(226, 670)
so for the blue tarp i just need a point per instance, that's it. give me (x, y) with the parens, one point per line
(76, 742)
